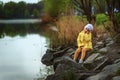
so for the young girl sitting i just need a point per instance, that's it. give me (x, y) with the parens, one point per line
(84, 42)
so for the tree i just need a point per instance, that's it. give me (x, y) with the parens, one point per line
(10, 9)
(56, 7)
(100, 6)
(1, 10)
(114, 15)
(36, 13)
(26, 14)
(21, 7)
(84, 6)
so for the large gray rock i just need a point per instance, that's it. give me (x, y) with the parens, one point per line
(65, 69)
(47, 58)
(60, 52)
(102, 64)
(92, 58)
(70, 52)
(68, 69)
(106, 72)
(116, 78)
(66, 61)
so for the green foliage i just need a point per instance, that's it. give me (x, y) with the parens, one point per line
(1, 10)
(100, 6)
(54, 7)
(11, 10)
(26, 14)
(101, 18)
(117, 17)
(36, 13)
(21, 8)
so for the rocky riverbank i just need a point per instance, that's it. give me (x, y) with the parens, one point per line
(102, 63)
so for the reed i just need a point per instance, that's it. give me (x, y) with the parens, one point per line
(68, 30)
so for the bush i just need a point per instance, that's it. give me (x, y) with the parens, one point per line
(101, 18)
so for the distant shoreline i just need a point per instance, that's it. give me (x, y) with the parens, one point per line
(19, 21)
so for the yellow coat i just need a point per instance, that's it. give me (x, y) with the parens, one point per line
(84, 40)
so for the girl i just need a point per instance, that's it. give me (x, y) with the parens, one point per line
(84, 42)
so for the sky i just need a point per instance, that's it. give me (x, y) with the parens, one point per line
(27, 1)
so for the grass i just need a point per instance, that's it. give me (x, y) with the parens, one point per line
(69, 28)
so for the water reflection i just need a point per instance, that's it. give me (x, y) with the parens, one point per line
(21, 48)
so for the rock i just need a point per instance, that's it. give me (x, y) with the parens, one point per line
(84, 75)
(108, 39)
(99, 45)
(106, 73)
(88, 66)
(92, 58)
(110, 43)
(116, 61)
(53, 77)
(67, 61)
(103, 50)
(64, 60)
(118, 52)
(60, 53)
(102, 64)
(96, 62)
(47, 58)
(70, 52)
(68, 69)
(116, 78)
(99, 58)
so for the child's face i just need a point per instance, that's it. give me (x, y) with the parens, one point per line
(87, 31)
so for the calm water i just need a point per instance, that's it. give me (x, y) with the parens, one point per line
(20, 55)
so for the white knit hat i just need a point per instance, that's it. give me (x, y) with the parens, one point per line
(89, 26)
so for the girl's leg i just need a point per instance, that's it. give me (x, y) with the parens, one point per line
(77, 52)
(84, 50)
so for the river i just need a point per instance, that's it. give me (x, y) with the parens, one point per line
(21, 49)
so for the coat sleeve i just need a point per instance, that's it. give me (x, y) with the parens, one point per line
(90, 42)
(79, 40)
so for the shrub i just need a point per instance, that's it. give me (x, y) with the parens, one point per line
(101, 18)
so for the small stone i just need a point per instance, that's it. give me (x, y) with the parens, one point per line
(103, 50)
(110, 43)
(109, 39)
(116, 61)
(70, 50)
(98, 58)
(99, 43)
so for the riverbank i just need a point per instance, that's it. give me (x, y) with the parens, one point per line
(102, 63)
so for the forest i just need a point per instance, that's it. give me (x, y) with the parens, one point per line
(12, 10)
